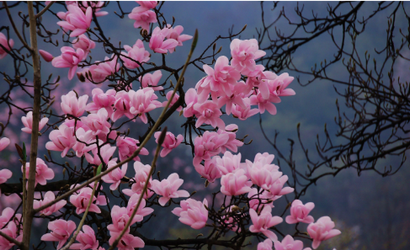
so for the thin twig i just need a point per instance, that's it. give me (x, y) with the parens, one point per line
(44, 10)
(14, 27)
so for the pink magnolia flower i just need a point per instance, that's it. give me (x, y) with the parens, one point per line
(192, 213)
(28, 122)
(48, 197)
(278, 87)
(264, 221)
(127, 146)
(82, 42)
(69, 58)
(263, 175)
(127, 242)
(151, 80)
(73, 105)
(208, 145)
(168, 188)
(218, 80)
(265, 245)
(6, 216)
(288, 243)
(191, 98)
(43, 172)
(143, 101)
(7, 44)
(61, 231)
(62, 139)
(173, 101)
(105, 153)
(141, 176)
(263, 103)
(232, 143)
(76, 20)
(83, 138)
(235, 183)
(259, 199)
(209, 170)
(169, 143)
(141, 211)
(175, 33)
(80, 201)
(96, 5)
(4, 142)
(158, 44)
(86, 238)
(142, 15)
(5, 174)
(300, 212)
(135, 56)
(208, 112)
(322, 230)
(229, 162)
(101, 70)
(46, 55)
(277, 189)
(116, 175)
(121, 105)
(12, 231)
(243, 113)
(244, 53)
(120, 218)
(98, 123)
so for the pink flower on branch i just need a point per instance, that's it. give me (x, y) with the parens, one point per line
(143, 101)
(158, 44)
(300, 212)
(48, 197)
(12, 231)
(170, 142)
(142, 15)
(288, 243)
(192, 213)
(69, 58)
(7, 44)
(76, 20)
(135, 55)
(87, 239)
(82, 42)
(235, 183)
(168, 188)
(115, 176)
(46, 55)
(322, 230)
(264, 221)
(43, 172)
(61, 231)
(73, 105)
(4, 142)
(62, 139)
(28, 122)
(80, 201)
(244, 53)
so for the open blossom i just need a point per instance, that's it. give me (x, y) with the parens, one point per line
(173, 101)
(69, 58)
(264, 221)
(73, 105)
(127, 242)
(244, 53)
(151, 80)
(80, 201)
(116, 175)
(322, 230)
(135, 55)
(300, 212)
(4, 142)
(120, 217)
(48, 197)
(208, 112)
(265, 245)
(61, 231)
(141, 176)
(127, 146)
(143, 101)
(142, 211)
(76, 20)
(168, 188)
(175, 33)
(228, 163)
(170, 142)
(82, 42)
(28, 122)
(98, 123)
(8, 44)
(192, 213)
(209, 170)
(5, 174)
(101, 70)
(159, 43)
(43, 172)
(288, 243)
(62, 139)
(142, 15)
(235, 183)
(104, 153)
(87, 239)
(191, 98)
(12, 231)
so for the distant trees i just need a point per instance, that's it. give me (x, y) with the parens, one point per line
(373, 120)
